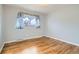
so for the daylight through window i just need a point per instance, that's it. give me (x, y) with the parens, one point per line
(24, 20)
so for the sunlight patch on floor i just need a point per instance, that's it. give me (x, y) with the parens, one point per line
(31, 50)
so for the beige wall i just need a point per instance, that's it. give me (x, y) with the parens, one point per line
(13, 34)
(1, 34)
(0, 23)
(63, 24)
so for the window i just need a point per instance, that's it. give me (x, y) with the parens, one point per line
(24, 20)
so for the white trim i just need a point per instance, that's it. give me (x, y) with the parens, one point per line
(2, 47)
(62, 40)
(24, 39)
(46, 36)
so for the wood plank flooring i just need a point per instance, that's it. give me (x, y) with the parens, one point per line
(43, 45)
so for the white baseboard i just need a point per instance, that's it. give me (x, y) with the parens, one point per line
(62, 40)
(24, 39)
(2, 47)
(46, 36)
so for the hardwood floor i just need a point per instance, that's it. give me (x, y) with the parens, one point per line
(43, 45)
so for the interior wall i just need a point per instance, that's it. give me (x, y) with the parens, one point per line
(13, 34)
(1, 34)
(64, 24)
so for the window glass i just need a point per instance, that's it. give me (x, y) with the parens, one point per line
(24, 20)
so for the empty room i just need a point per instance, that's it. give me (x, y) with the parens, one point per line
(39, 28)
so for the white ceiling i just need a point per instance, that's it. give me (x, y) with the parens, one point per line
(43, 8)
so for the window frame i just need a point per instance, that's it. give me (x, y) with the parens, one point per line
(19, 14)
